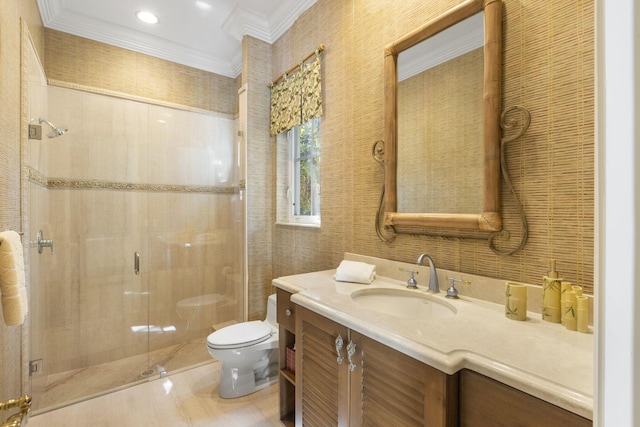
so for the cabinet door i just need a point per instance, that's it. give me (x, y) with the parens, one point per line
(389, 388)
(321, 382)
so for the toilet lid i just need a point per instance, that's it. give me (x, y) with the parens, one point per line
(240, 334)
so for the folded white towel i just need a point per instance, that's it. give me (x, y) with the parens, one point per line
(355, 271)
(12, 278)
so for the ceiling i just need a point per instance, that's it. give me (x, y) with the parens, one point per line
(204, 34)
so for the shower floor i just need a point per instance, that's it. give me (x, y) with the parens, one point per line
(69, 387)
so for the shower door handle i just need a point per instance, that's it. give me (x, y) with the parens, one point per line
(136, 263)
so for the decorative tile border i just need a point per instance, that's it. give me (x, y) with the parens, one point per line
(60, 183)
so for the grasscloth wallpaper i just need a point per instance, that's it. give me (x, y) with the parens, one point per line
(73, 59)
(548, 67)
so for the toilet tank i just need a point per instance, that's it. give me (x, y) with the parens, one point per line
(271, 310)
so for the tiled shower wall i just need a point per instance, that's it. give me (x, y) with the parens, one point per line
(130, 176)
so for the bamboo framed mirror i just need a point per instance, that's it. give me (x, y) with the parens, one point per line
(483, 214)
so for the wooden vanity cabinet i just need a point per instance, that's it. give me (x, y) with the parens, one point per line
(486, 402)
(375, 386)
(285, 316)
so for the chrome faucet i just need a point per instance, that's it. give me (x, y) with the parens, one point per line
(433, 276)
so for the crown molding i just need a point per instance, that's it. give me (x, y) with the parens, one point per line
(240, 22)
(243, 22)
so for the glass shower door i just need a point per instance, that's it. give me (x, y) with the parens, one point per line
(96, 315)
(130, 184)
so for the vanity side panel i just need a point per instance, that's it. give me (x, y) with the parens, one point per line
(486, 402)
(285, 315)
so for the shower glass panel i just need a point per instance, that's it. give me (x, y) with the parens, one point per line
(127, 178)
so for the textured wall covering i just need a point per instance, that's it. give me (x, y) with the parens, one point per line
(256, 73)
(351, 114)
(86, 62)
(548, 66)
(11, 13)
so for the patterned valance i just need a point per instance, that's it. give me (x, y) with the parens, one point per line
(297, 98)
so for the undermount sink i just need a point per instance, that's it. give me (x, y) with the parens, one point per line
(402, 303)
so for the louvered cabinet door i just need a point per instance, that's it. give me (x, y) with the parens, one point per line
(321, 379)
(389, 388)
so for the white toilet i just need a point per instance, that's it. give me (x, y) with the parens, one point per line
(249, 354)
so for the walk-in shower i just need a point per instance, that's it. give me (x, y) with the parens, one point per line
(55, 131)
(132, 178)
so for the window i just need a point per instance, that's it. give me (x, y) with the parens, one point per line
(300, 202)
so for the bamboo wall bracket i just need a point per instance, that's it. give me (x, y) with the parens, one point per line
(507, 125)
(377, 152)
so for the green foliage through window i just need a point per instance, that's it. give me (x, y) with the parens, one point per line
(305, 179)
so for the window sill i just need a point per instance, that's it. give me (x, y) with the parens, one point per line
(298, 224)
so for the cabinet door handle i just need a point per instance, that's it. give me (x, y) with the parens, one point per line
(339, 344)
(288, 312)
(351, 350)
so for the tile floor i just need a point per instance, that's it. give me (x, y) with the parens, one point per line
(187, 398)
(76, 385)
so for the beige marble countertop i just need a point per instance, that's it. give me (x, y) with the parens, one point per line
(540, 358)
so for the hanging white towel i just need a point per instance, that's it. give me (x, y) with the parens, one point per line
(12, 279)
(356, 272)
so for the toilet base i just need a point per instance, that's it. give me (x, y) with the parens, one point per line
(240, 381)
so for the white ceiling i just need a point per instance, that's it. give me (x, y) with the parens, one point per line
(204, 34)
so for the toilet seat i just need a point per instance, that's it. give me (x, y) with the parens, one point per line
(239, 335)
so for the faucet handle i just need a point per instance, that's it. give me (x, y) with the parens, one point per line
(452, 292)
(411, 282)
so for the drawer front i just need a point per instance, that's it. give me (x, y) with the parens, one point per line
(286, 315)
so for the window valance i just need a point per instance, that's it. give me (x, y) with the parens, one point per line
(296, 97)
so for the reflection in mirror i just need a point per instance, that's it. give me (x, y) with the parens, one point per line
(442, 125)
(440, 121)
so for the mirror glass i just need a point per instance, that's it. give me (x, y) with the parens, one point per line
(442, 121)
(440, 82)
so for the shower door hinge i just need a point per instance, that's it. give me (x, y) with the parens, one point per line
(35, 132)
(35, 367)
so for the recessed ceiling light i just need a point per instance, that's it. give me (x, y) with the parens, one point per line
(203, 5)
(147, 17)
